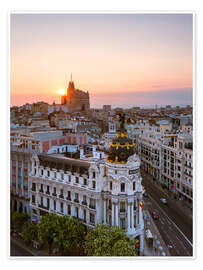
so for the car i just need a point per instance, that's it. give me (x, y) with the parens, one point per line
(155, 215)
(163, 200)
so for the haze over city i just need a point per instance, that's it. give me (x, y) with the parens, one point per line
(121, 59)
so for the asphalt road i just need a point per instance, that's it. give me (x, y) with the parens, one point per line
(18, 250)
(174, 225)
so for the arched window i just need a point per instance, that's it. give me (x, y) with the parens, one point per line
(122, 187)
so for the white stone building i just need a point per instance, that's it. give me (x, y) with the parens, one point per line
(93, 191)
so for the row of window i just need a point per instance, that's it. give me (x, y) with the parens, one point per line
(85, 182)
(92, 203)
(69, 212)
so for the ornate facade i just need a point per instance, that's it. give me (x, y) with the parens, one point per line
(95, 192)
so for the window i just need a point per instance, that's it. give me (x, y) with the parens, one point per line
(42, 172)
(122, 207)
(54, 191)
(85, 181)
(92, 218)
(133, 185)
(54, 205)
(93, 184)
(69, 195)
(69, 178)
(84, 214)
(33, 187)
(61, 193)
(122, 187)
(54, 174)
(41, 189)
(122, 223)
(111, 185)
(48, 173)
(76, 180)
(35, 171)
(84, 198)
(61, 207)
(69, 209)
(115, 171)
(33, 199)
(93, 174)
(62, 176)
(76, 197)
(48, 204)
(92, 204)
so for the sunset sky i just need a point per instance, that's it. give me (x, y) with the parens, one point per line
(121, 59)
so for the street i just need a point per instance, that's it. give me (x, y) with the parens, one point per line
(173, 224)
(17, 249)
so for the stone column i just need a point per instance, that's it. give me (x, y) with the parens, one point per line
(140, 216)
(88, 216)
(58, 209)
(132, 216)
(51, 204)
(142, 244)
(72, 211)
(104, 211)
(65, 209)
(117, 214)
(112, 215)
(128, 217)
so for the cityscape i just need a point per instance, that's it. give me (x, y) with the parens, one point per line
(101, 172)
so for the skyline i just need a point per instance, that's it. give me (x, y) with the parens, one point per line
(109, 55)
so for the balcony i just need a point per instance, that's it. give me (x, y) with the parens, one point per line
(44, 207)
(68, 198)
(54, 194)
(76, 200)
(47, 192)
(84, 202)
(61, 196)
(92, 206)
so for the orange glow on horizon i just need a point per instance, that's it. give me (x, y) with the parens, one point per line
(62, 92)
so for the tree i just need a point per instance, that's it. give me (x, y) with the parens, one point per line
(47, 229)
(108, 241)
(70, 235)
(18, 220)
(30, 233)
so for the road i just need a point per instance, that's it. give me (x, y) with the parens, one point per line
(18, 250)
(174, 225)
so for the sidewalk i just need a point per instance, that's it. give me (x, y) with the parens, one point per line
(30, 249)
(155, 232)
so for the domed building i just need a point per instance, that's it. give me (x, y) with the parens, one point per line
(96, 191)
(123, 191)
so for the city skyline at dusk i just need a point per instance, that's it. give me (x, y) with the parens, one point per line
(121, 59)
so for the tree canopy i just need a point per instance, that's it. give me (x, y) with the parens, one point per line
(18, 220)
(108, 241)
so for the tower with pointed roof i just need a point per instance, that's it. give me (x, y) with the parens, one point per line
(75, 100)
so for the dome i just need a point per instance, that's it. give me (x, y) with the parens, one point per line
(121, 148)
